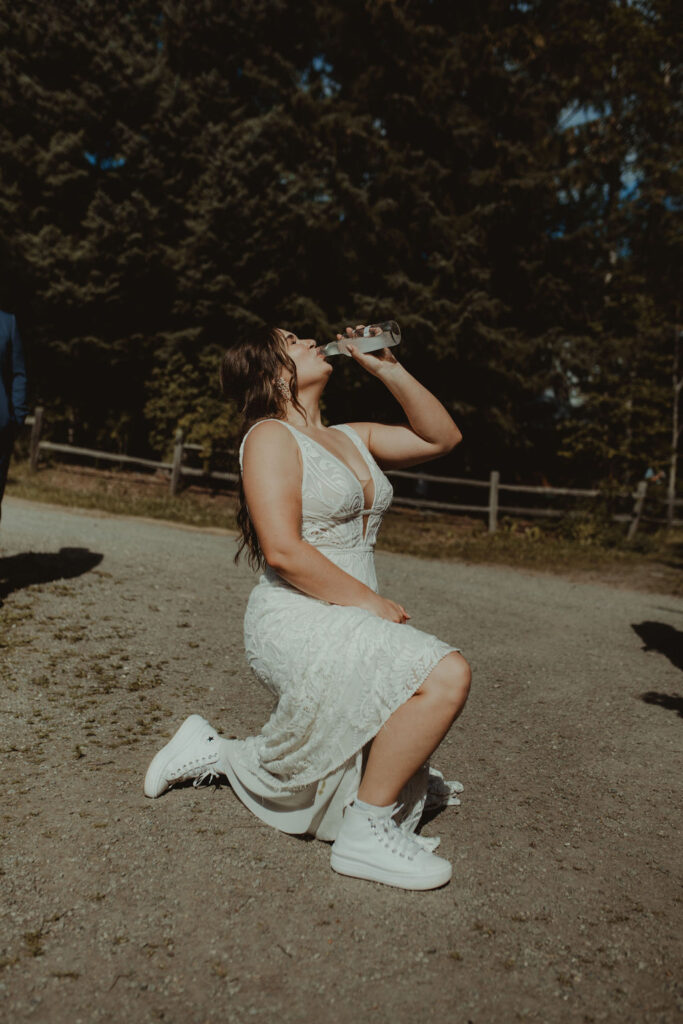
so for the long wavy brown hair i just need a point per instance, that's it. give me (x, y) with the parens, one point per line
(248, 373)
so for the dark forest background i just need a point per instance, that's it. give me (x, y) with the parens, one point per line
(502, 178)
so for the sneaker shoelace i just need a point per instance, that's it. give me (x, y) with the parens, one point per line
(197, 768)
(390, 835)
(209, 774)
(410, 823)
(442, 793)
(428, 843)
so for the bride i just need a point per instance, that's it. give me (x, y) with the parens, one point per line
(362, 699)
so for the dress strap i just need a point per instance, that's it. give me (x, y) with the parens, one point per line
(357, 440)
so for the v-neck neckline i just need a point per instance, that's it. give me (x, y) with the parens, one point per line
(366, 509)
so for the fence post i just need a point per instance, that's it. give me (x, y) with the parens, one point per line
(494, 480)
(641, 492)
(34, 449)
(177, 460)
(670, 507)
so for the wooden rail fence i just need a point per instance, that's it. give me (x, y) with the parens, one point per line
(493, 510)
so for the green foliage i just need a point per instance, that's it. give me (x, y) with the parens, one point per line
(176, 176)
(623, 424)
(186, 395)
(593, 525)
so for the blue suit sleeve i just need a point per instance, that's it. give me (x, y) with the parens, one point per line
(19, 407)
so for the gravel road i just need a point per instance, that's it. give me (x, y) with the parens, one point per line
(565, 903)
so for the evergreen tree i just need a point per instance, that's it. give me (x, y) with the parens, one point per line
(620, 179)
(89, 216)
(498, 177)
(390, 168)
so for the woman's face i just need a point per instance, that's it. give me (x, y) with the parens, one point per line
(311, 365)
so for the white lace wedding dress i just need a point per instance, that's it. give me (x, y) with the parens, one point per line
(337, 673)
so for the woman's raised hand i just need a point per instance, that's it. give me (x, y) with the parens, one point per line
(374, 362)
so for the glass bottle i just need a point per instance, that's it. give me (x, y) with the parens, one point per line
(368, 339)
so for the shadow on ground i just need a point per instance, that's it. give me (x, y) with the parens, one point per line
(25, 570)
(659, 636)
(667, 640)
(670, 701)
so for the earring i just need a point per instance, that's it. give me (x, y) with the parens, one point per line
(283, 387)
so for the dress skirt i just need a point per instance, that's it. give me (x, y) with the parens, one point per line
(337, 674)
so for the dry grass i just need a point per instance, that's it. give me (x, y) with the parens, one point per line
(654, 563)
(121, 493)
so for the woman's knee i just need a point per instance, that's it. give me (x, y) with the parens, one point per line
(449, 682)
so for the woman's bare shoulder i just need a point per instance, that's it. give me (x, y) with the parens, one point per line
(362, 429)
(269, 437)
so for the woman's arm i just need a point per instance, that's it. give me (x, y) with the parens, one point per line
(272, 486)
(430, 431)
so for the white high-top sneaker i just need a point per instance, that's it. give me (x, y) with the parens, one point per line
(191, 754)
(377, 849)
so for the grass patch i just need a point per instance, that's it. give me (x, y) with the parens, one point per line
(587, 548)
(121, 493)
(653, 563)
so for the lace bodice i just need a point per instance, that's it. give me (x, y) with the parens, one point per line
(333, 512)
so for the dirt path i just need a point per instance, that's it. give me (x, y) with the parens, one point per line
(564, 905)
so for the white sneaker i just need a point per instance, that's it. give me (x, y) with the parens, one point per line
(377, 849)
(191, 754)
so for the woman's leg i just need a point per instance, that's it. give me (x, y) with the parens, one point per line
(414, 731)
